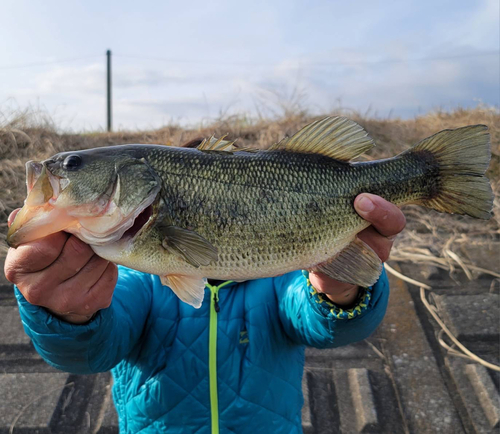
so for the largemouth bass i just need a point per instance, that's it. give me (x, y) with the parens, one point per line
(230, 214)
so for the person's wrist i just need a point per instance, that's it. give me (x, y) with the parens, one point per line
(345, 297)
(73, 318)
(340, 293)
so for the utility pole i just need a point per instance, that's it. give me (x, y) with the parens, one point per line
(108, 55)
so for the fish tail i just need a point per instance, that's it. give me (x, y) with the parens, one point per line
(460, 158)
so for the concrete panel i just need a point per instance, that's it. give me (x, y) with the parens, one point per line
(28, 401)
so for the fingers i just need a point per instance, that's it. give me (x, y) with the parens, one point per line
(385, 217)
(74, 256)
(381, 245)
(387, 221)
(89, 274)
(35, 256)
(62, 274)
(87, 292)
(81, 307)
(102, 291)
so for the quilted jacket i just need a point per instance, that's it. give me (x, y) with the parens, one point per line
(233, 366)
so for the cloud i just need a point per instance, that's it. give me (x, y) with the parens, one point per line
(71, 81)
(482, 26)
(311, 56)
(149, 98)
(404, 89)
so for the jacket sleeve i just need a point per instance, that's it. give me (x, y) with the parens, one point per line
(103, 342)
(310, 318)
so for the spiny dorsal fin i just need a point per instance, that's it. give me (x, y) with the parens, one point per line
(221, 145)
(334, 137)
(213, 144)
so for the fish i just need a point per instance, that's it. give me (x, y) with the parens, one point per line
(224, 212)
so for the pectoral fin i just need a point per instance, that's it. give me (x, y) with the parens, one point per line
(357, 264)
(191, 246)
(189, 289)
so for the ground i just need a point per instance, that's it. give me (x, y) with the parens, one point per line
(400, 380)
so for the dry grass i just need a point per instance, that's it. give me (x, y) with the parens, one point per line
(428, 233)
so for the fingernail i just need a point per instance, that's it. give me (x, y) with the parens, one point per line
(365, 205)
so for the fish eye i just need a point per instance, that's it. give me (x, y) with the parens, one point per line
(72, 162)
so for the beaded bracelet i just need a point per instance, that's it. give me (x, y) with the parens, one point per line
(361, 304)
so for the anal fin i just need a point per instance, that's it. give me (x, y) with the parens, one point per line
(357, 264)
(189, 289)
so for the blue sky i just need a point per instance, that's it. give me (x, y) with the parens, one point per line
(192, 61)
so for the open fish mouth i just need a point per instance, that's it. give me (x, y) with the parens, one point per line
(99, 223)
(145, 218)
(112, 225)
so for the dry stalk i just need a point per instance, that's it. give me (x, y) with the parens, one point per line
(43, 395)
(465, 353)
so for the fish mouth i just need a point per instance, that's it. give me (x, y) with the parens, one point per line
(99, 223)
(141, 222)
(38, 217)
(33, 172)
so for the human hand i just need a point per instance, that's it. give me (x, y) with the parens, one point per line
(387, 221)
(62, 274)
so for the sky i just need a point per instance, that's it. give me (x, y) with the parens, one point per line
(191, 62)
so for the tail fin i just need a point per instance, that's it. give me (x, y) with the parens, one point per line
(462, 155)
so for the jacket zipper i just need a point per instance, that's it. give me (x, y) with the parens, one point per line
(212, 354)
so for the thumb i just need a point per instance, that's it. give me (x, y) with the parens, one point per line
(385, 217)
(12, 216)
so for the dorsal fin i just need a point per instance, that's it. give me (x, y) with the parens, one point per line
(213, 144)
(334, 137)
(221, 145)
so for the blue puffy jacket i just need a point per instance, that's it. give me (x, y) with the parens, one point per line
(233, 366)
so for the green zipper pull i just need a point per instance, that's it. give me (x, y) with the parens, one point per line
(216, 303)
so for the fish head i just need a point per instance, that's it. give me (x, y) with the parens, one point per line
(95, 194)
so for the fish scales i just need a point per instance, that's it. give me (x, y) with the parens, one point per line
(270, 211)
